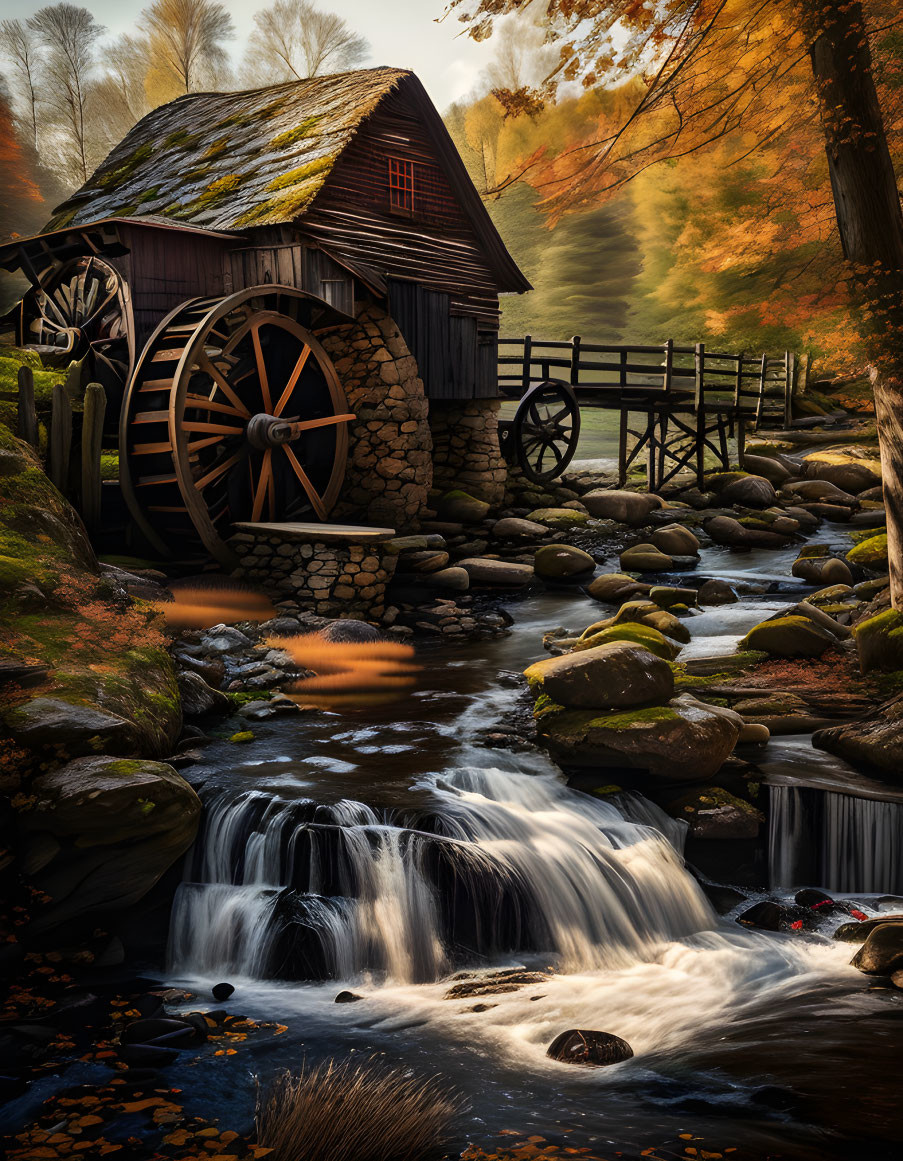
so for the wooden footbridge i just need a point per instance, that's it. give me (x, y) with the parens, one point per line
(676, 403)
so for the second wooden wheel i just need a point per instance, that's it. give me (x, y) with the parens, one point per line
(234, 413)
(545, 430)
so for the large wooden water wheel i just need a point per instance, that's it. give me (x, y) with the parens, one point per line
(234, 413)
(545, 430)
(80, 310)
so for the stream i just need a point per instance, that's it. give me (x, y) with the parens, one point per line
(388, 849)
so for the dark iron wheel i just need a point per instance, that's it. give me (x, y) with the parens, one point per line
(234, 413)
(545, 430)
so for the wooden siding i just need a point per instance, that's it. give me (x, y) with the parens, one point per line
(292, 264)
(166, 267)
(456, 359)
(436, 245)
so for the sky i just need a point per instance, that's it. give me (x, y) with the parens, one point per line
(402, 33)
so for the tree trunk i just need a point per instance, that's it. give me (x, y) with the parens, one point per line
(869, 217)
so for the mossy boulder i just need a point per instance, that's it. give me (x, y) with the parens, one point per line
(607, 676)
(870, 553)
(558, 517)
(120, 824)
(667, 596)
(879, 640)
(638, 633)
(461, 507)
(715, 813)
(793, 636)
(685, 739)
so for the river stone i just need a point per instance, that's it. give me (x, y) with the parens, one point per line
(666, 596)
(875, 741)
(45, 723)
(638, 633)
(879, 641)
(513, 528)
(482, 570)
(845, 471)
(754, 734)
(619, 505)
(350, 630)
(558, 517)
(675, 540)
(608, 676)
(126, 821)
(821, 491)
(714, 813)
(870, 553)
(788, 637)
(858, 932)
(727, 530)
(426, 561)
(882, 952)
(832, 595)
(772, 470)
(461, 507)
(715, 592)
(586, 1047)
(669, 624)
(454, 579)
(686, 739)
(645, 558)
(750, 492)
(198, 699)
(614, 587)
(562, 562)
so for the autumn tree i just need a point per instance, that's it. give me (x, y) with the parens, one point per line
(68, 36)
(710, 68)
(19, 44)
(21, 206)
(187, 43)
(293, 39)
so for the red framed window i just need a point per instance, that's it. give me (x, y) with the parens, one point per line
(401, 185)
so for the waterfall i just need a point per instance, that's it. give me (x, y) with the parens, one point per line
(490, 862)
(842, 842)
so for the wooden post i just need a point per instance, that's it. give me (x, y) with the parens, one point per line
(27, 426)
(525, 371)
(669, 364)
(622, 380)
(622, 445)
(699, 408)
(60, 441)
(92, 430)
(74, 380)
(738, 412)
(575, 360)
(760, 402)
(788, 389)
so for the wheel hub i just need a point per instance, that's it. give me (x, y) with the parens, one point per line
(267, 431)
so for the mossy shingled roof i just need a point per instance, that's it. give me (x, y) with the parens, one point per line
(226, 161)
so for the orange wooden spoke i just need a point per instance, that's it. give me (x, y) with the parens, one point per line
(206, 364)
(210, 428)
(261, 368)
(216, 472)
(293, 379)
(308, 487)
(197, 444)
(264, 484)
(309, 424)
(150, 449)
(213, 405)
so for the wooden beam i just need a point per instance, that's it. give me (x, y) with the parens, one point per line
(92, 434)
(60, 442)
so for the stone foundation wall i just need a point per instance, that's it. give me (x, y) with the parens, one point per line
(466, 451)
(389, 462)
(332, 580)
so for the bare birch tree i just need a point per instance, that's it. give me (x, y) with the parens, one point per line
(68, 36)
(187, 36)
(293, 39)
(19, 44)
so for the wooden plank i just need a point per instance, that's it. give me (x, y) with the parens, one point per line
(60, 442)
(27, 418)
(322, 533)
(92, 435)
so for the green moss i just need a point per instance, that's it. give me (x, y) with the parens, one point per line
(149, 195)
(544, 707)
(146, 805)
(181, 139)
(870, 553)
(216, 148)
(302, 173)
(216, 191)
(244, 697)
(10, 362)
(242, 737)
(879, 641)
(109, 466)
(291, 136)
(580, 722)
(125, 767)
(124, 170)
(643, 635)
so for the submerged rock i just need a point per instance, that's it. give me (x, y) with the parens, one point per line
(609, 676)
(589, 1048)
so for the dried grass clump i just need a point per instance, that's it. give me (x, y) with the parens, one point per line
(346, 1111)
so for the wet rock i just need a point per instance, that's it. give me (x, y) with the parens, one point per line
(870, 553)
(589, 1048)
(615, 587)
(728, 531)
(198, 699)
(879, 641)
(754, 734)
(618, 674)
(212, 669)
(455, 579)
(882, 952)
(125, 821)
(45, 723)
(558, 517)
(430, 560)
(513, 528)
(494, 983)
(645, 558)
(667, 596)
(486, 571)
(860, 931)
(770, 916)
(623, 506)
(875, 741)
(346, 997)
(169, 1031)
(714, 813)
(349, 629)
(845, 471)
(636, 632)
(772, 470)
(674, 540)
(224, 639)
(222, 991)
(460, 507)
(750, 492)
(147, 1056)
(685, 739)
(563, 562)
(821, 491)
(715, 592)
(669, 624)
(788, 637)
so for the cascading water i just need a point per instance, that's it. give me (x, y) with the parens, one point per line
(497, 861)
(843, 842)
